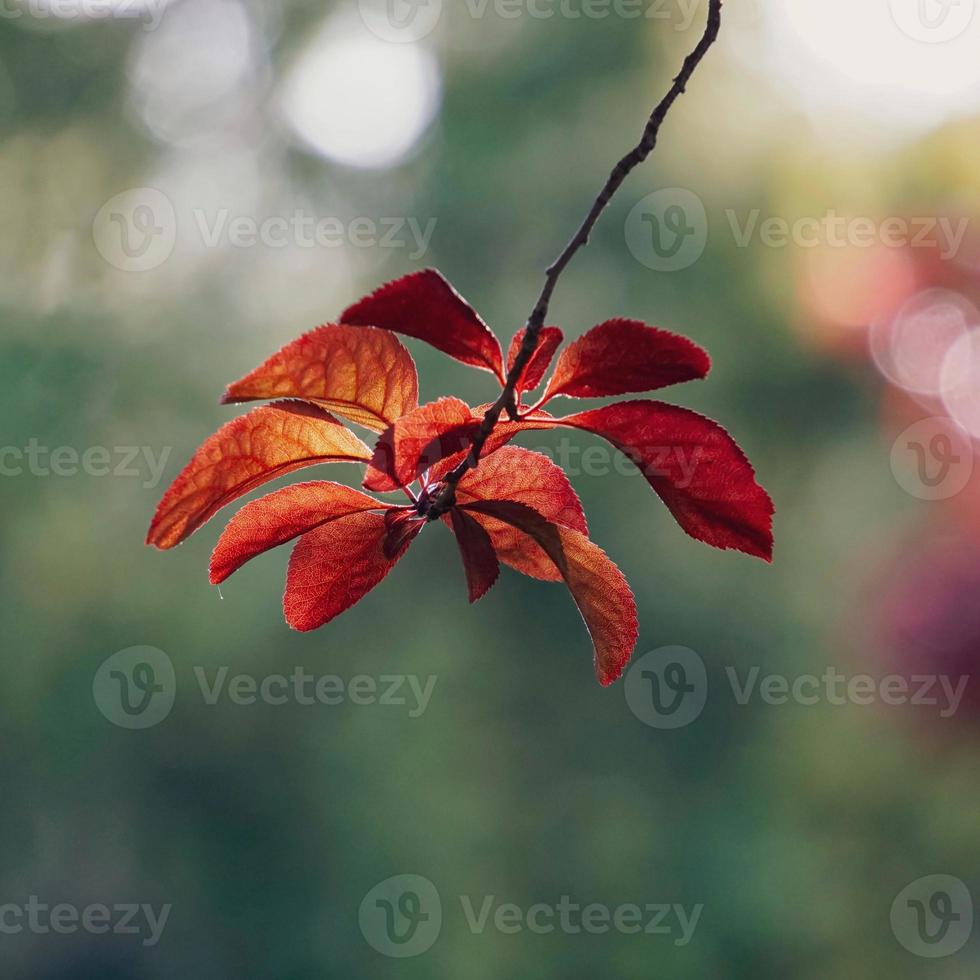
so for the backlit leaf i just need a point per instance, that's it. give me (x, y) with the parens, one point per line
(253, 449)
(366, 376)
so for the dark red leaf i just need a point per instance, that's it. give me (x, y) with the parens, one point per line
(549, 340)
(695, 466)
(601, 593)
(425, 306)
(281, 516)
(253, 449)
(366, 376)
(625, 356)
(479, 558)
(403, 525)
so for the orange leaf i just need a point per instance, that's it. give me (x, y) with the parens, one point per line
(364, 375)
(601, 593)
(281, 516)
(253, 449)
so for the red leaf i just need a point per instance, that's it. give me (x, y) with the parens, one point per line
(281, 516)
(549, 340)
(335, 566)
(691, 462)
(623, 356)
(425, 306)
(409, 447)
(503, 432)
(479, 559)
(366, 376)
(695, 466)
(534, 480)
(601, 593)
(267, 443)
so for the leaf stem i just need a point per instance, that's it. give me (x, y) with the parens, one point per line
(507, 402)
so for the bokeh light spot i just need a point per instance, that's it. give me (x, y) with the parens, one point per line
(359, 101)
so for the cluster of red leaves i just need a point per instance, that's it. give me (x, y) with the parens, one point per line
(516, 507)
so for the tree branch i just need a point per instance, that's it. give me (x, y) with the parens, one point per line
(507, 401)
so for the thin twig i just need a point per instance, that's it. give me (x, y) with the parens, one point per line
(507, 401)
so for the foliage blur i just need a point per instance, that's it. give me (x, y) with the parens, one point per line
(264, 826)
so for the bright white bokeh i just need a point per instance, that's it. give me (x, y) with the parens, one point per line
(912, 347)
(961, 382)
(358, 100)
(905, 66)
(191, 79)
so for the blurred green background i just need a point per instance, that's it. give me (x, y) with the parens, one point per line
(796, 826)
